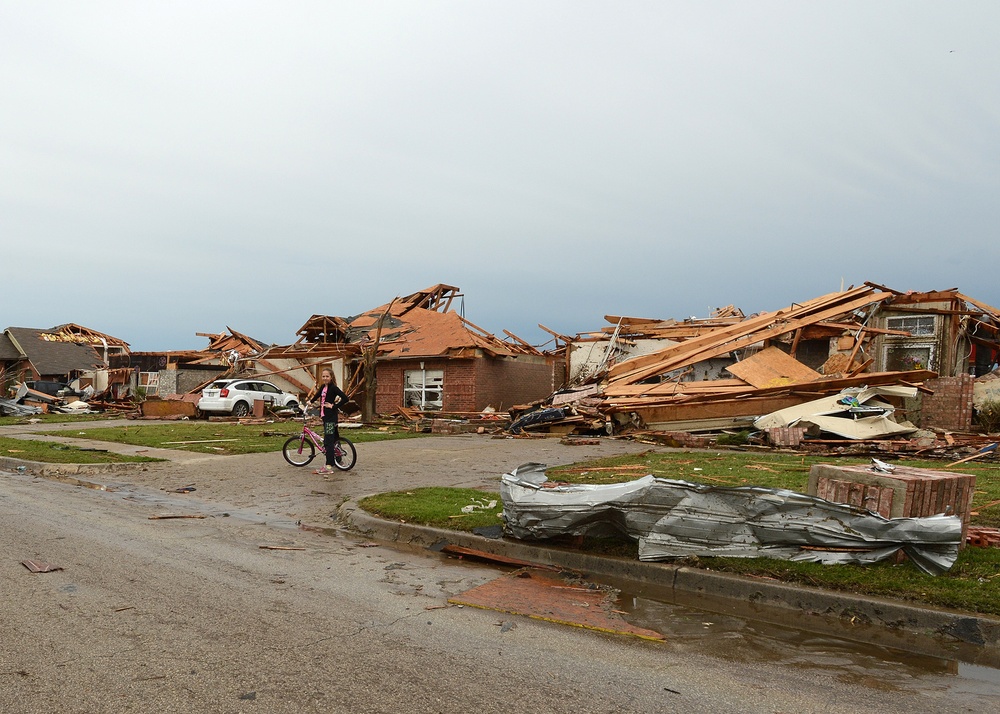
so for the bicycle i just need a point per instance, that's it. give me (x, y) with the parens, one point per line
(301, 450)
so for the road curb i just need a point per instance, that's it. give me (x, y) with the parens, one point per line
(924, 630)
(44, 468)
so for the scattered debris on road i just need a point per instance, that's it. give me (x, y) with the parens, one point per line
(37, 566)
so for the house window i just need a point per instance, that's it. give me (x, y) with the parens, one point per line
(423, 389)
(150, 383)
(900, 358)
(922, 326)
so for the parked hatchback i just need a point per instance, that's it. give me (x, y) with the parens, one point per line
(236, 396)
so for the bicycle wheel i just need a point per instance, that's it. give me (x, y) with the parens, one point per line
(298, 451)
(344, 455)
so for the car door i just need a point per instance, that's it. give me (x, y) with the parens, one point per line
(270, 392)
(254, 391)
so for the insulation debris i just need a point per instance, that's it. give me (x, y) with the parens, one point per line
(855, 413)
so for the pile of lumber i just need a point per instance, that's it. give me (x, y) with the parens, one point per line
(764, 378)
(650, 391)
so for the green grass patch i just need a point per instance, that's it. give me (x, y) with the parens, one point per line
(973, 583)
(437, 507)
(54, 453)
(768, 470)
(54, 419)
(219, 437)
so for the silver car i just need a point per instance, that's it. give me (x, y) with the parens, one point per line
(236, 396)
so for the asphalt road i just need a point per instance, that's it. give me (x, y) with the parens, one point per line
(192, 615)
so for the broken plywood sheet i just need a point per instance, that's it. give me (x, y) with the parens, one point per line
(772, 368)
(837, 364)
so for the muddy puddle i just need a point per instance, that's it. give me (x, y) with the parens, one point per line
(874, 657)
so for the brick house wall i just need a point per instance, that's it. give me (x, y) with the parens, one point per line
(950, 407)
(471, 385)
(504, 383)
(389, 391)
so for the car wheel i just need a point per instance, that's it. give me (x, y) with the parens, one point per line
(241, 409)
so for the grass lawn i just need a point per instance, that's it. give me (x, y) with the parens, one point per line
(51, 452)
(54, 418)
(973, 583)
(220, 437)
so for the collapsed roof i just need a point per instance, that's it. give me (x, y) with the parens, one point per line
(726, 370)
(51, 352)
(420, 325)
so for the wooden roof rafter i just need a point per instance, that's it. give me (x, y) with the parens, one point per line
(71, 332)
(745, 333)
(559, 337)
(992, 311)
(437, 298)
(320, 329)
(495, 342)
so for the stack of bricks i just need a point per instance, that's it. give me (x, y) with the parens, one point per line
(950, 406)
(907, 492)
(786, 435)
(450, 426)
(684, 438)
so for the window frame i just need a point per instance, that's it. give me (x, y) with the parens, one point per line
(431, 381)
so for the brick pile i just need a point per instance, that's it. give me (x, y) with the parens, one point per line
(907, 492)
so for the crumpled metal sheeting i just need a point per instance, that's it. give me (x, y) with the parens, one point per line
(8, 407)
(672, 519)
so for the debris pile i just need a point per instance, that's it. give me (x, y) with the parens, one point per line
(843, 367)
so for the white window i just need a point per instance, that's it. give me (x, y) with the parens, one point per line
(922, 326)
(903, 358)
(150, 383)
(423, 389)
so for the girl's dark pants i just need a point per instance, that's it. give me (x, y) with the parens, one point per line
(330, 437)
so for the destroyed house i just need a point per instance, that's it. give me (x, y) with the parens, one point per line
(181, 371)
(430, 358)
(725, 371)
(944, 331)
(61, 354)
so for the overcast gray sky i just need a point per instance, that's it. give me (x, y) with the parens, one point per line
(168, 168)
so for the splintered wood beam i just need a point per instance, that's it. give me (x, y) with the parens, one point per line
(795, 342)
(284, 374)
(858, 340)
(555, 334)
(726, 340)
(994, 312)
(861, 367)
(615, 319)
(883, 288)
(496, 341)
(637, 368)
(517, 339)
(916, 298)
(855, 326)
(621, 394)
